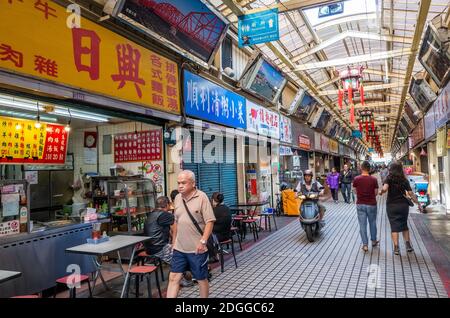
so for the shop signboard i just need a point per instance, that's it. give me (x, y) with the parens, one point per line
(285, 151)
(430, 122)
(317, 141)
(208, 101)
(262, 121)
(138, 146)
(442, 104)
(285, 129)
(448, 138)
(304, 142)
(259, 27)
(324, 143)
(24, 142)
(333, 145)
(85, 56)
(417, 135)
(342, 150)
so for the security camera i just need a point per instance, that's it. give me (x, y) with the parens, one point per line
(229, 72)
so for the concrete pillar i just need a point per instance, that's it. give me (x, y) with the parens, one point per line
(240, 157)
(446, 161)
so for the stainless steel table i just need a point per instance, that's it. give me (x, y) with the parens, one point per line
(115, 244)
(8, 275)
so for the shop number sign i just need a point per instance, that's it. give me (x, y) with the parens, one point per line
(85, 56)
(22, 142)
(139, 146)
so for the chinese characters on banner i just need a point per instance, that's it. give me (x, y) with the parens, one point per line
(206, 100)
(89, 57)
(262, 121)
(333, 146)
(22, 142)
(140, 146)
(285, 129)
(324, 143)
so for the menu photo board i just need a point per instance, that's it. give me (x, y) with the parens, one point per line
(138, 146)
(25, 142)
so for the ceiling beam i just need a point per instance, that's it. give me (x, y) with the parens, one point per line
(421, 20)
(367, 88)
(351, 18)
(354, 59)
(390, 74)
(352, 34)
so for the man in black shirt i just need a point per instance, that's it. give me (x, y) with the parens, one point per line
(157, 227)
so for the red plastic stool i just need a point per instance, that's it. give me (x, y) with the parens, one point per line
(73, 279)
(142, 271)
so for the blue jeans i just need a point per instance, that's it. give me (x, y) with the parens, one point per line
(367, 213)
(346, 189)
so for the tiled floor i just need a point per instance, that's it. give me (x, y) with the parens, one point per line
(285, 264)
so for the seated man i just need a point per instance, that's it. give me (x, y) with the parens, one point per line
(308, 185)
(157, 227)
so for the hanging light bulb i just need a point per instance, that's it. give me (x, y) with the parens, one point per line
(18, 126)
(38, 124)
(67, 128)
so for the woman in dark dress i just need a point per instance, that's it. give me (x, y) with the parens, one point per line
(397, 207)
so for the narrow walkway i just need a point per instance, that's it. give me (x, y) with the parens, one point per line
(285, 264)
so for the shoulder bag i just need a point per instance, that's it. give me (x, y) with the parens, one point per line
(213, 243)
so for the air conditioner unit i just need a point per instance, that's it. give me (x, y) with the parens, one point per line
(422, 93)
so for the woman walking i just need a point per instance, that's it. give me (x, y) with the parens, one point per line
(397, 206)
(333, 183)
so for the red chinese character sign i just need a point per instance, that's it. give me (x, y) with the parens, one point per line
(22, 142)
(87, 57)
(138, 146)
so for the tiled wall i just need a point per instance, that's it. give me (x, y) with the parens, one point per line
(76, 146)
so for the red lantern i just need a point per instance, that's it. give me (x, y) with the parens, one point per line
(350, 94)
(373, 125)
(360, 126)
(352, 114)
(361, 93)
(340, 98)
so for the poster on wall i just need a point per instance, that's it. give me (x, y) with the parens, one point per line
(23, 141)
(138, 146)
(262, 121)
(154, 170)
(32, 177)
(90, 156)
(304, 142)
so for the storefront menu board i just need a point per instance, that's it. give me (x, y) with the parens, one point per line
(22, 142)
(138, 146)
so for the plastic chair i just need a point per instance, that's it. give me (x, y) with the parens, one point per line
(73, 280)
(139, 272)
(267, 214)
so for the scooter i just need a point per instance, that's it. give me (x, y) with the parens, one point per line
(422, 196)
(309, 215)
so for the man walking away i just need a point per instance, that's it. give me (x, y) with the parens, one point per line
(366, 205)
(346, 179)
(194, 222)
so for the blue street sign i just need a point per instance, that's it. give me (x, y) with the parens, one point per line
(356, 134)
(206, 100)
(258, 27)
(370, 150)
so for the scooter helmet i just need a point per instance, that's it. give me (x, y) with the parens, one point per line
(307, 173)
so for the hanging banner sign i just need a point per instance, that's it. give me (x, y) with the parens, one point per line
(262, 121)
(22, 142)
(260, 27)
(333, 146)
(285, 129)
(324, 143)
(87, 57)
(304, 142)
(441, 142)
(140, 146)
(286, 151)
(209, 101)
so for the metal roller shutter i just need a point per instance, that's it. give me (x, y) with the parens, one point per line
(212, 177)
(304, 159)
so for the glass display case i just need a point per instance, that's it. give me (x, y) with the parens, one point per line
(14, 207)
(129, 202)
